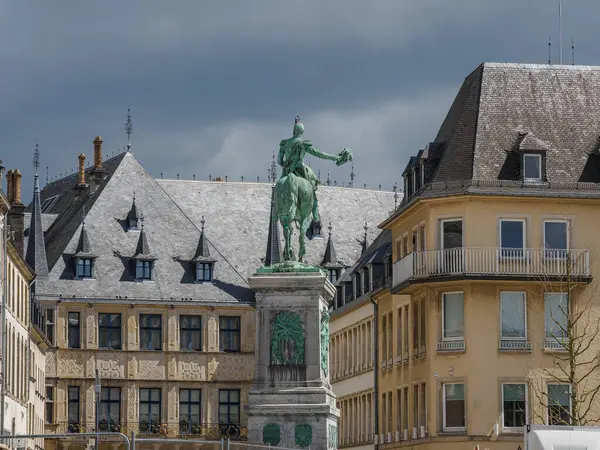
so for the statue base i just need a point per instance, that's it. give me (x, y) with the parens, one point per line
(291, 403)
(289, 267)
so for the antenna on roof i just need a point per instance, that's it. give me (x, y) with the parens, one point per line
(573, 50)
(549, 49)
(129, 128)
(36, 157)
(560, 31)
(47, 175)
(395, 189)
(352, 174)
(273, 169)
(328, 179)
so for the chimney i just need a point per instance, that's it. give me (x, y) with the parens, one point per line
(9, 186)
(16, 214)
(81, 182)
(98, 153)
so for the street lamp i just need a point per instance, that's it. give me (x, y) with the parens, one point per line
(97, 388)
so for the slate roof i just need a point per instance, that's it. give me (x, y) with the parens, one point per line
(501, 108)
(237, 215)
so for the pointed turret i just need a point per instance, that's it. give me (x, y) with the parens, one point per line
(84, 249)
(142, 251)
(273, 255)
(330, 258)
(36, 247)
(202, 252)
(132, 216)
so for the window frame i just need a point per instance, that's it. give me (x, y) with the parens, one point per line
(526, 419)
(191, 330)
(75, 403)
(229, 331)
(445, 428)
(201, 268)
(190, 430)
(539, 158)
(228, 403)
(80, 275)
(110, 328)
(509, 254)
(556, 253)
(144, 265)
(442, 222)
(547, 338)
(70, 329)
(110, 426)
(508, 338)
(148, 403)
(570, 410)
(333, 275)
(150, 329)
(49, 404)
(50, 324)
(451, 339)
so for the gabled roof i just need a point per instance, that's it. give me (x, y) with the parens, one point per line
(330, 260)
(530, 141)
(84, 249)
(374, 254)
(142, 250)
(203, 251)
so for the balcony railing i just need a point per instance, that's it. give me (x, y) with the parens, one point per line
(492, 262)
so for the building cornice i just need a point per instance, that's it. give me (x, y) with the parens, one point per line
(17, 259)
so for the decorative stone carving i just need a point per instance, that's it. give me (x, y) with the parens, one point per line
(172, 332)
(172, 402)
(190, 368)
(325, 342)
(172, 367)
(212, 368)
(132, 330)
(287, 340)
(89, 403)
(271, 434)
(51, 364)
(303, 435)
(132, 402)
(71, 364)
(212, 338)
(229, 367)
(110, 368)
(152, 369)
(90, 369)
(91, 329)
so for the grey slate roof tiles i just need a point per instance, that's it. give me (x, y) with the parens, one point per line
(237, 215)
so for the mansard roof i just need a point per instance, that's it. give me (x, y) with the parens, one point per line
(173, 210)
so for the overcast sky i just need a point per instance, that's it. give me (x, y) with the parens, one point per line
(214, 85)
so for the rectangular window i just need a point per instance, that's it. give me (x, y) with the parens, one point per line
(333, 275)
(556, 238)
(150, 332)
(229, 406)
(49, 404)
(74, 330)
(422, 238)
(229, 333)
(405, 246)
(189, 411)
(532, 167)
(512, 238)
(143, 270)
(415, 325)
(109, 331)
(50, 325)
(405, 410)
(559, 404)
(514, 406)
(73, 409)
(453, 326)
(399, 331)
(110, 409)
(415, 240)
(416, 406)
(556, 312)
(84, 268)
(150, 410)
(512, 306)
(422, 323)
(204, 272)
(190, 331)
(423, 407)
(384, 350)
(453, 407)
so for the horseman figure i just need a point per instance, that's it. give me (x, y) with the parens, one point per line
(295, 192)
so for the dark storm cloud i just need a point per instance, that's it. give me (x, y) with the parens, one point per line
(214, 85)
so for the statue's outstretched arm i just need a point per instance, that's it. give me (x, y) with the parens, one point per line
(319, 154)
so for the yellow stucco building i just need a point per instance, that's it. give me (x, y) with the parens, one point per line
(496, 238)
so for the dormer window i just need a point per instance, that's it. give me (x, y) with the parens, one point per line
(133, 223)
(84, 267)
(204, 272)
(532, 167)
(143, 269)
(333, 275)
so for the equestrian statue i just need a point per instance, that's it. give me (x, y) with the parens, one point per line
(296, 189)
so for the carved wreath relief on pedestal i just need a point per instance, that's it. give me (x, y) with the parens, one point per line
(325, 342)
(287, 340)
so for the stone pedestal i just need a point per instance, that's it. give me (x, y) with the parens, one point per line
(291, 403)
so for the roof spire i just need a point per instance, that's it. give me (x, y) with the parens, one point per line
(129, 128)
(365, 243)
(273, 169)
(84, 248)
(273, 255)
(352, 175)
(36, 247)
(330, 258)
(143, 249)
(202, 252)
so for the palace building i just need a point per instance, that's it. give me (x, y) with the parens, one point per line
(144, 284)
